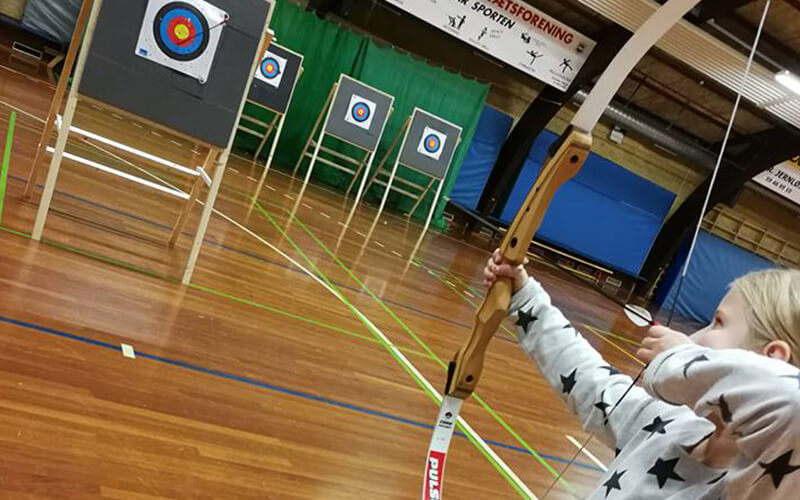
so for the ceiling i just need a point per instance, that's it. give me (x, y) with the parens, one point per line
(689, 81)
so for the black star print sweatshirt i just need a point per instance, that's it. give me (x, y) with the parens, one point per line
(657, 427)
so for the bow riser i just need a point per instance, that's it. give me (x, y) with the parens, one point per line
(467, 366)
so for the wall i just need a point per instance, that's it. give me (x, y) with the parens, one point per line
(511, 91)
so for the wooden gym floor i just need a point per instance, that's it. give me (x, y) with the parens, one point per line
(257, 381)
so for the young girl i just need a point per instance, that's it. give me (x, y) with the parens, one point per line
(719, 413)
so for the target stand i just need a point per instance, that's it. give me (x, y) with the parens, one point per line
(355, 114)
(163, 63)
(428, 146)
(272, 90)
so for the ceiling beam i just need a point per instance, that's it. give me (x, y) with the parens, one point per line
(772, 52)
(794, 3)
(768, 149)
(716, 88)
(716, 9)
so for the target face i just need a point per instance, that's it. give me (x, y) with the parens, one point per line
(270, 71)
(432, 143)
(360, 112)
(182, 35)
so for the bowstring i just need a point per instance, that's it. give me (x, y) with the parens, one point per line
(720, 157)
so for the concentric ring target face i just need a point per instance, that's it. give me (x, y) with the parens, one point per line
(181, 31)
(360, 112)
(270, 67)
(432, 143)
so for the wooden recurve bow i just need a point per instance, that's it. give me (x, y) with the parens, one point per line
(567, 158)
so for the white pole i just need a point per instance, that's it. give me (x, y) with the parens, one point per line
(63, 133)
(222, 163)
(269, 158)
(319, 141)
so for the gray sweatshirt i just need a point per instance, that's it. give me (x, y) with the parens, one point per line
(654, 429)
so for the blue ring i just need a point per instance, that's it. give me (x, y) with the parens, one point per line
(436, 147)
(264, 67)
(198, 44)
(356, 107)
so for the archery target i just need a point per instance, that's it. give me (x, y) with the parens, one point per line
(182, 35)
(271, 69)
(360, 112)
(432, 143)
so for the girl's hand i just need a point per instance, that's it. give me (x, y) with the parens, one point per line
(496, 268)
(659, 339)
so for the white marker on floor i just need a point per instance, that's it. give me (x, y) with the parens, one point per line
(127, 351)
(397, 253)
(270, 187)
(116, 116)
(379, 244)
(176, 143)
(137, 125)
(251, 179)
(98, 108)
(288, 196)
(155, 133)
(450, 283)
(306, 205)
(325, 215)
(233, 170)
(469, 294)
(194, 151)
(586, 452)
(361, 234)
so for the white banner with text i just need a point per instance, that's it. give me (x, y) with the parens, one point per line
(513, 32)
(784, 179)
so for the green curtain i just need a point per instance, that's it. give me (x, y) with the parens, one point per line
(330, 50)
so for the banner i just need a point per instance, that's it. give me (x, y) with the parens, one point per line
(513, 32)
(783, 179)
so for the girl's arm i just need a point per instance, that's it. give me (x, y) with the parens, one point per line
(757, 398)
(590, 386)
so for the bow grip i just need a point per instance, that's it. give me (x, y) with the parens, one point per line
(570, 154)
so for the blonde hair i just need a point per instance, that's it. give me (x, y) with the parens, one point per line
(774, 299)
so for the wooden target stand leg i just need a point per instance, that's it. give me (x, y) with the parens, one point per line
(421, 197)
(63, 133)
(323, 113)
(357, 173)
(270, 128)
(404, 134)
(193, 194)
(270, 157)
(367, 170)
(222, 163)
(58, 98)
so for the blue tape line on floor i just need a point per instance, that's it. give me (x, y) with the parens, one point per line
(271, 387)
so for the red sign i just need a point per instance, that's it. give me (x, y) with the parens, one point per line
(434, 474)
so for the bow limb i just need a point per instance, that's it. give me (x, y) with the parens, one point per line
(573, 148)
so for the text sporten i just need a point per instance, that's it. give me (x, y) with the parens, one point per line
(525, 14)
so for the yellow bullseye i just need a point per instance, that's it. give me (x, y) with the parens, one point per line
(182, 31)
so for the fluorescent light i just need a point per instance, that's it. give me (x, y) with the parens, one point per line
(789, 80)
(131, 150)
(124, 175)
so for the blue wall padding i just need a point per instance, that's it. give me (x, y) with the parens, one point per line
(606, 213)
(716, 263)
(493, 128)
